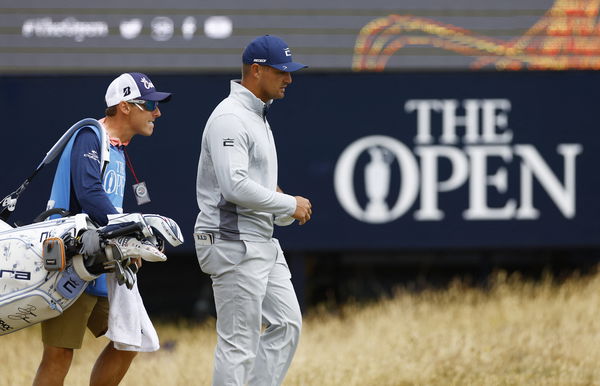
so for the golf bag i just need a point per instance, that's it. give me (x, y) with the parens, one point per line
(45, 266)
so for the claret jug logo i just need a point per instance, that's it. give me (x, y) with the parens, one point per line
(473, 145)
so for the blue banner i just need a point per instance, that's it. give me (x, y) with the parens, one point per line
(389, 161)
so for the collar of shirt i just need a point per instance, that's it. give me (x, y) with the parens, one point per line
(117, 142)
(113, 140)
(249, 100)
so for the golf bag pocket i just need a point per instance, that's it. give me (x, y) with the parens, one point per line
(26, 309)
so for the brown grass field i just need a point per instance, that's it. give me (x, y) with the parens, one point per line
(517, 332)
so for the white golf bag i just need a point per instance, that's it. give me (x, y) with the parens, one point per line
(45, 266)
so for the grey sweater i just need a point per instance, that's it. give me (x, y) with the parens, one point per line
(237, 171)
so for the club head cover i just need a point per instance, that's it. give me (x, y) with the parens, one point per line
(165, 228)
(122, 218)
(91, 247)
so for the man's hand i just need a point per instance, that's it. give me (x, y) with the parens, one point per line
(303, 210)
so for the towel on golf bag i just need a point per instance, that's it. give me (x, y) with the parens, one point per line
(129, 326)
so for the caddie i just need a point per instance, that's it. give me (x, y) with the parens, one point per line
(90, 178)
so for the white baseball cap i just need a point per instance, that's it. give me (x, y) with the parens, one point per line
(133, 85)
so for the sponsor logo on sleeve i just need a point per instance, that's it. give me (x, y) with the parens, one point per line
(93, 155)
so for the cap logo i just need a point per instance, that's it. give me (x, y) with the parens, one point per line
(146, 83)
(260, 60)
(126, 91)
(287, 52)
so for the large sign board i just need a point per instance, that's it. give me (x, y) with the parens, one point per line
(191, 36)
(403, 160)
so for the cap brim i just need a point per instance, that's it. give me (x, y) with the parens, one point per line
(157, 96)
(289, 67)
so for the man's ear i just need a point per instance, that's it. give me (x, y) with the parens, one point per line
(255, 70)
(124, 107)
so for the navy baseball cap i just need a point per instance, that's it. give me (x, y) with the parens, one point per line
(271, 51)
(133, 85)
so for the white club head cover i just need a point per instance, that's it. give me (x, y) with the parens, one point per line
(130, 217)
(132, 247)
(165, 228)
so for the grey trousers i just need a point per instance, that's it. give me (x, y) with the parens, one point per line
(252, 287)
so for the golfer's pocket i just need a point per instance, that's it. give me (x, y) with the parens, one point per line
(203, 254)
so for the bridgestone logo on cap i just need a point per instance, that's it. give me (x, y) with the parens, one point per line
(260, 60)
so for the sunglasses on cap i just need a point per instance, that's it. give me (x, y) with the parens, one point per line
(148, 105)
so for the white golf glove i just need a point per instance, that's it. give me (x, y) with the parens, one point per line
(130, 247)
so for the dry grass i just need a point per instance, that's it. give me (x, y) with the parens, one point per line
(517, 333)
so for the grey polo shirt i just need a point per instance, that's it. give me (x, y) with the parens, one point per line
(237, 171)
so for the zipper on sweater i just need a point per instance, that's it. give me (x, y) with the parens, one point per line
(264, 116)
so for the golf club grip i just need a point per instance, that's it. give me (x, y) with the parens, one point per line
(126, 230)
(5, 214)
